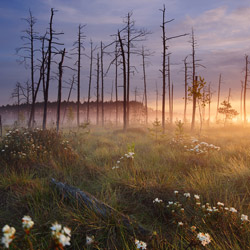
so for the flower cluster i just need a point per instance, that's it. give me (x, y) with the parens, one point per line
(61, 235)
(129, 155)
(201, 148)
(140, 244)
(27, 223)
(157, 200)
(8, 235)
(204, 238)
(24, 145)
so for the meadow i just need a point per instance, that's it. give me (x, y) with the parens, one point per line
(190, 191)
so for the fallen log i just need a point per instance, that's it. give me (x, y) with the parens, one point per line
(99, 207)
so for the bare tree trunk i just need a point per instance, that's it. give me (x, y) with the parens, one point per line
(163, 67)
(32, 65)
(46, 90)
(157, 94)
(128, 66)
(116, 84)
(172, 103)
(124, 83)
(102, 78)
(194, 79)
(245, 91)
(41, 78)
(97, 89)
(145, 84)
(169, 92)
(209, 103)
(1, 127)
(186, 89)
(78, 76)
(59, 96)
(90, 79)
(241, 97)
(70, 90)
(218, 99)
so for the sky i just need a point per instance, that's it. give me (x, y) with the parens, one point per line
(221, 27)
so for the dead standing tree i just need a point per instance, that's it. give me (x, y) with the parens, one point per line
(28, 48)
(71, 83)
(145, 53)
(42, 69)
(97, 87)
(186, 78)
(59, 96)
(50, 51)
(164, 61)
(78, 46)
(195, 64)
(90, 76)
(131, 37)
(218, 98)
(102, 79)
(124, 81)
(245, 90)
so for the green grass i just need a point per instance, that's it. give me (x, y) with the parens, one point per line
(158, 169)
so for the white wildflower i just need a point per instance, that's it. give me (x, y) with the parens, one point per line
(220, 204)
(204, 238)
(244, 217)
(156, 200)
(89, 239)
(27, 222)
(187, 195)
(196, 196)
(64, 240)
(180, 223)
(233, 210)
(140, 244)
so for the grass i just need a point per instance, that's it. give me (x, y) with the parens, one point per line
(159, 167)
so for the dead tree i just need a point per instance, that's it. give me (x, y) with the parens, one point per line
(17, 94)
(169, 92)
(209, 103)
(51, 46)
(156, 100)
(25, 92)
(131, 37)
(124, 82)
(241, 101)
(78, 46)
(59, 96)
(245, 90)
(86, 200)
(164, 57)
(102, 79)
(42, 69)
(29, 37)
(97, 88)
(1, 127)
(145, 54)
(218, 98)
(195, 64)
(186, 77)
(90, 76)
(72, 82)
(116, 83)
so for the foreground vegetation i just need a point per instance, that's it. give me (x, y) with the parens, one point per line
(180, 187)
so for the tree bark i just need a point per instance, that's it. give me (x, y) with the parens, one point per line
(103, 210)
(59, 96)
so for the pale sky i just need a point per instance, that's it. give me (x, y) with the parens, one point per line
(222, 30)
